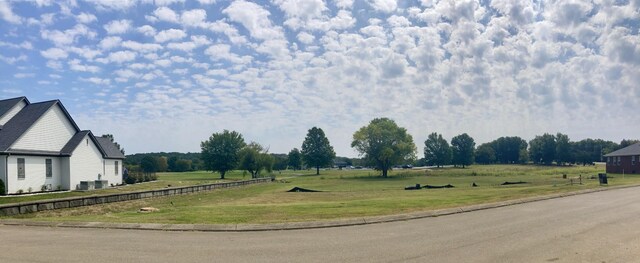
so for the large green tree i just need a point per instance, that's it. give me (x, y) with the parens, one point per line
(510, 149)
(436, 150)
(220, 152)
(485, 154)
(254, 158)
(463, 148)
(295, 159)
(316, 150)
(542, 149)
(563, 149)
(383, 144)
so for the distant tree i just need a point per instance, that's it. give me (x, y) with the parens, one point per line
(280, 161)
(267, 162)
(588, 151)
(542, 149)
(341, 162)
(316, 150)
(508, 149)
(162, 164)
(485, 154)
(420, 162)
(221, 152)
(295, 159)
(110, 137)
(523, 157)
(148, 164)
(383, 144)
(172, 162)
(254, 158)
(182, 165)
(627, 142)
(563, 149)
(463, 148)
(436, 150)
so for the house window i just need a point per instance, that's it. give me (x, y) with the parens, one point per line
(116, 167)
(609, 160)
(49, 168)
(618, 163)
(633, 160)
(20, 168)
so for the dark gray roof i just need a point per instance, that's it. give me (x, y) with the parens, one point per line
(110, 149)
(6, 105)
(19, 124)
(73, 143)
(633, 149)
(29, 115)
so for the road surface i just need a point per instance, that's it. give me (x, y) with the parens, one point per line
(596, 227)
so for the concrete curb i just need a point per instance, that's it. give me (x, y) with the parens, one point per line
(301, 225)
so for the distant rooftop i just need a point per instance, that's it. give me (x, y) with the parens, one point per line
(633, 149)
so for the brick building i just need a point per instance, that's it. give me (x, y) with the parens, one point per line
(625, 160)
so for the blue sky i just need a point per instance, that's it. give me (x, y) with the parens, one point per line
(164, 75)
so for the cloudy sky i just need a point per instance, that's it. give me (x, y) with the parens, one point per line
(164, 75)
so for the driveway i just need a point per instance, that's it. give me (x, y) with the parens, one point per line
(596, 227)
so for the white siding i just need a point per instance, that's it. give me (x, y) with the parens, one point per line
(85, 163)
(35, 173)
(64, 170)
(12, 112)
(110, 171)
(50, 133)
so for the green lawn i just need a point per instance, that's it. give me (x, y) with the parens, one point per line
(164, 180)
(346, 194)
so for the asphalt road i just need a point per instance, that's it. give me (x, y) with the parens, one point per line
(596, 227)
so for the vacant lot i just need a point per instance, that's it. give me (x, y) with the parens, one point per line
(345, 194)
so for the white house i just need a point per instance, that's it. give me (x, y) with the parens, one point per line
(41, 147)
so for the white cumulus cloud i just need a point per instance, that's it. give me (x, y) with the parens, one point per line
(170, 35)
(54, 53)
(118, 27)
(6, 13)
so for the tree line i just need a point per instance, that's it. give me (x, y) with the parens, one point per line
(227, 150)
(382, 144)
(164, 162)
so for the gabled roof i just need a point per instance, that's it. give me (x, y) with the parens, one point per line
(110, 149)
(8, 104)
(19, 124)
(73, 143)
(633, 149)
(11, 131)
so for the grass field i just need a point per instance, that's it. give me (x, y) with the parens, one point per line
(345, 194)
(165, 179)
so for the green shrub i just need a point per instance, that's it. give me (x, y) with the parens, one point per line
(130, 179)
